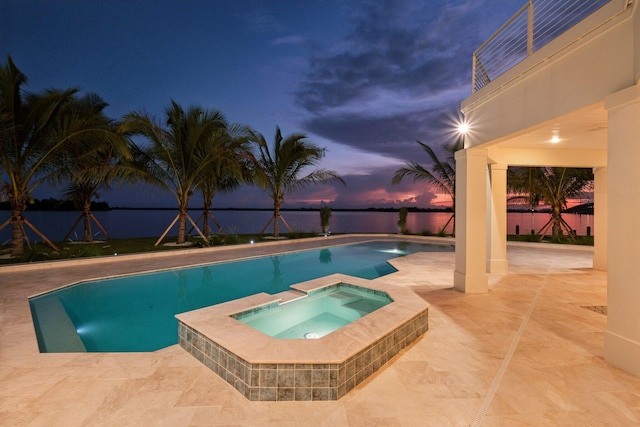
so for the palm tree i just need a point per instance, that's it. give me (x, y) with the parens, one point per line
(89, 174)
(94, 170)
(442, 174)
(552, 186)
(325, 218)
(81, 195)
(38, 134)
(174, 158)
(279, 170)
(232, 165)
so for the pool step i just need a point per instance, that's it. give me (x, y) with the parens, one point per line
(362, 306)
(57, 331)
(345, 297)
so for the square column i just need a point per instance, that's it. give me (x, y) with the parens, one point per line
(622, 337)
(600, 218)
(470, 273)
(497, 262)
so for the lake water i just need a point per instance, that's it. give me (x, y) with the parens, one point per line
(152, 223)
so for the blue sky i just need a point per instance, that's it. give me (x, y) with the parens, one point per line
(365, 79)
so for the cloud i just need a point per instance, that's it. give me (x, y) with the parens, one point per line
(395, 47)
(401, 69)
(378, 192)
(365, 191)
(392, 136)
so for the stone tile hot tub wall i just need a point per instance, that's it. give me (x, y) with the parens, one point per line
(263, 368)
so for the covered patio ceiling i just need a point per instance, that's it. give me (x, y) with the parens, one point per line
(578, 139)
(585, 129)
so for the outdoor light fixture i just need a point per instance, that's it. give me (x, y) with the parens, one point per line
(555, 138)
(463, 128)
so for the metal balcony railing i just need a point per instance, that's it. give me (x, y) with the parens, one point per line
(537, 23)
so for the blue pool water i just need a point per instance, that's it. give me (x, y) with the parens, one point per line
(136, 312)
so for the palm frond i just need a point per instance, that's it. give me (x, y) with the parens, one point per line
(441, 175)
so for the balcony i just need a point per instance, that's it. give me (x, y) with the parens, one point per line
(534, 26)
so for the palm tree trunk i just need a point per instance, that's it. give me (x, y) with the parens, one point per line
(183, 207)
(17, 236)
(207, 198)
(182, 226)
(557, 223)
(205, 225)
(86, 216)
(276, 219)
(17, 205)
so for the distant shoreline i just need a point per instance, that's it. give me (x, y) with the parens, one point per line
(410, 209)
(584, 209)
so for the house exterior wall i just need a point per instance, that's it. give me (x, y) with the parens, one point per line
(622, 337)
(636, 46)
(575, 74)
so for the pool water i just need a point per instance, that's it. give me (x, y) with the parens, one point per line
(136, 312)
(316, 315)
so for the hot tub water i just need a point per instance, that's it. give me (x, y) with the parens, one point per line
(316, 315)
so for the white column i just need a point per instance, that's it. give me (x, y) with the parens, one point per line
(622, 337)
(470, 273)
(497, 262)
(600, 219)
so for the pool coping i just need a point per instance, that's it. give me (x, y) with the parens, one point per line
(146, 256)
(264, 368)
(174, 253)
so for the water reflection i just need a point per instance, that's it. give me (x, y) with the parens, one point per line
(325, 256)
(277, 278)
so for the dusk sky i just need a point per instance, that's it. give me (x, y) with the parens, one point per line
(365, 79)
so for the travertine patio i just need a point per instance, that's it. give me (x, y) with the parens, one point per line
(525, 353)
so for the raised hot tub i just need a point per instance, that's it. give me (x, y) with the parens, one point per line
(267, 368)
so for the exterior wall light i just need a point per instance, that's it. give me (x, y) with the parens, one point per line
(463, 128)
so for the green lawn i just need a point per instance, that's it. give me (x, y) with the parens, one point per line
(566, 240)
(42, 252)
(68, 250)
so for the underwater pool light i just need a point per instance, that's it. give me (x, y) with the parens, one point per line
(394, 251)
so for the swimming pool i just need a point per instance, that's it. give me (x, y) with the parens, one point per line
(136, 312)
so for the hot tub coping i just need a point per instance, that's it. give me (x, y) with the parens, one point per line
(215, 322)
(266, 368)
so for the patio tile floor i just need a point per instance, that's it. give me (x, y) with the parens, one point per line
(525, 353)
